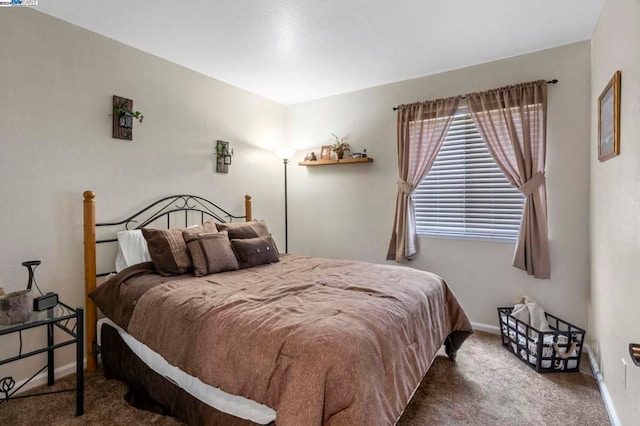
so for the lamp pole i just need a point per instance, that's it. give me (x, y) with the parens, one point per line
(286, 218)
(285, 153)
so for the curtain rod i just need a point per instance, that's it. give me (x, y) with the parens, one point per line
(554, 81)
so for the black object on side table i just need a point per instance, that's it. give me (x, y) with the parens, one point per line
(71, 322)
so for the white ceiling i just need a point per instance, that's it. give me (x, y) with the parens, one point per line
(296, 50)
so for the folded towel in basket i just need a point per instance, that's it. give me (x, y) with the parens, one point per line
(531, 313)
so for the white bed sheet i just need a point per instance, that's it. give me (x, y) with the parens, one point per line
(231, 404)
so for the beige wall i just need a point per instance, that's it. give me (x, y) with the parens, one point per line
(55, 141)
(347, 211)
(615, 209)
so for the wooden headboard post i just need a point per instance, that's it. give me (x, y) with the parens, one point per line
(247, 207)
(89, 208)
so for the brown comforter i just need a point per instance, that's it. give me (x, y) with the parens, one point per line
(320, 341)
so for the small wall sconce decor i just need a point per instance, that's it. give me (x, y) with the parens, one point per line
(223, 156)
(123, 116)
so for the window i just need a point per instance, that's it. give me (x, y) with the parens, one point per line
(465, 194)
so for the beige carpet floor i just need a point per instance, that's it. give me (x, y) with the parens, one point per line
(486, 386)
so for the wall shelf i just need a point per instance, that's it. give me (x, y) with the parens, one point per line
(336, 162)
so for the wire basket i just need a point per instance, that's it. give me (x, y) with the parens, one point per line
(555, 351)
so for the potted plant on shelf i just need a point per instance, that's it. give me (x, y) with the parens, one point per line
(126, 116)
(341, 146)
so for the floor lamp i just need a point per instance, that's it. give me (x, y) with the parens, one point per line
(285, 154)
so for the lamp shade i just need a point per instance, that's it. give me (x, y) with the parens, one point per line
(285, 152)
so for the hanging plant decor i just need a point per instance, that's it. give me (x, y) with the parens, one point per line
(123, 116)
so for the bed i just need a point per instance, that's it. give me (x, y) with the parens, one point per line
(284, 339)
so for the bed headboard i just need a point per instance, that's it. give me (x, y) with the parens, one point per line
(163, 213)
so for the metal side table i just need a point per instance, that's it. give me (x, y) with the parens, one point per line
(71, 322)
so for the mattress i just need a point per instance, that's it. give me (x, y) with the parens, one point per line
(231, 404)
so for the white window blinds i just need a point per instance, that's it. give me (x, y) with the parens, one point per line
(465, 194)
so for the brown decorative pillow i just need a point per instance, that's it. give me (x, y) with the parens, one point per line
(255, 251)
(243, 230)
(169, 252)
(210, 253)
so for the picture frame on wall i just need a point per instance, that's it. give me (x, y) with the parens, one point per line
(609, 119)
(325, 152)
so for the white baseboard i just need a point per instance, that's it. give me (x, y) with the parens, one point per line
(492, 329)
(606, 398)
(41, 379)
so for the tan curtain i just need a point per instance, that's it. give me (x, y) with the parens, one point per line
(422, 128)
(513, 122)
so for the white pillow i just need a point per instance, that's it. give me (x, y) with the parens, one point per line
(132, 249)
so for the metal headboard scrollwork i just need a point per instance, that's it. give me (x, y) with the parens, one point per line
(168, 208)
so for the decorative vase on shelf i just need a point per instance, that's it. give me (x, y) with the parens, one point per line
(333, 155)
(340, 154)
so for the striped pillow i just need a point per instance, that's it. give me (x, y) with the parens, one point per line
(244, 230)
(210, 253)
(168, 250)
